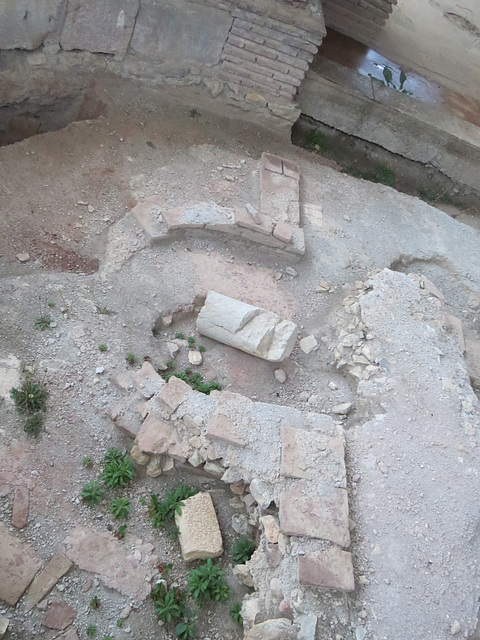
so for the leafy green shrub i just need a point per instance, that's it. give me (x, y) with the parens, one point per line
(42, 322)
(102, 347)
(169, 603)
(91, 630)
(31, 397)
(33, 424)
(235, 614)
(191, 341)
(130, 358)
(118, 470)
(186, 629)
(243, 550)
(92, 493)
(179, 336)
(207, 583)
(163, 511)
(120, 508)
(94, 603)
(120, 533)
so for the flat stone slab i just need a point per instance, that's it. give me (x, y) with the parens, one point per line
(251, 329)
(57, 566)
(147, 381)
(199, 532)
(330, 569)
(26, 24)
(157, 436)
(18, 565)
(21, 504)
(171, 396)
(315, 516)
(59, 615)
(101, 554)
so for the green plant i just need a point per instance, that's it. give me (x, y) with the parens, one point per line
(102, 347)
(235, 614)
(87, 462)
(120, 508)
(171, 364)
(107, 638)
(207, 583)
(191, 341)
(143, 501)
(186, 629)
(130, 358)
(91, 630)
(103, 311)
(193, 113)
(316, 141)
(33, 424)
(445, 199)
(118, 471)
(31, 397)
(179, 336)
(201, 348)
(113, 455)
(120, 533)
(94, 603)
(120, 623)
(243, 550)
(384, 175)
(169, 603)
(42, 322)
(161, 511)
(92, 493)
(195, 380)
(51, 305)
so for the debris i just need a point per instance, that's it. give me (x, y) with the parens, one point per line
(23, 257)
(308, 344)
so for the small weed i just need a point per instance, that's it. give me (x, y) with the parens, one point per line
(186, 629)
(51, 305)
(191, 342)
(427, 195)
(445, 199)
(91, 630)
(235, 614)
(87, 462)
(120, 623)
(42, 322)
(33, 424)
(92, 493)
(118, 470)
(171, 364)
(163, 511)
(164, 569)
(243, 550)
(31, 397)
(107, 638)
(169, 603)
(179, 336)
(120, 533)
(384, 175)
(120, 508)
(195, 380)
(207, 583)
(102, 347)
(316, 141)
(201, 348)
(130, 358)
(94, 603)
(143, 501)
(193, 113)
(103, 311)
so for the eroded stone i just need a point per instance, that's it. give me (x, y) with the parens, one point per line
(330, 569)
(199, 532)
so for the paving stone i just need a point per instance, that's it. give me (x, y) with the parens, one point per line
(59, 615)
(57, 566)
(18, 565)
(291, 169)
(126, 416)
(315, 516)
(272, 162)
(102, 554)
(277, 192)
(251, 329)
(147, 381)
(199, 532)
(172, 394)
(21, 504)
(156, 436)
(308, 344)
(283, 232)
(221, 427)
(330, 569)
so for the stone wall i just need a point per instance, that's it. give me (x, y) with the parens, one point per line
(253, 54)
(359, 19)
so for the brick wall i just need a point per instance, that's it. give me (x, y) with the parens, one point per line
(359, 19)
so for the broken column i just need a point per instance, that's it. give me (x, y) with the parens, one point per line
(251, 329)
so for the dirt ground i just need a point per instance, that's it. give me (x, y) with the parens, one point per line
(65, 199)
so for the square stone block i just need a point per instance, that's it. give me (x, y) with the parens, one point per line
(199, 532)
(272, 162)
(18, 564)
(305, 513)
(330, 569)
(171, 395)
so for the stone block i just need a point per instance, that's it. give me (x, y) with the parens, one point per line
(26, 25)
(272, 162)
(243, 219)
(155, 467)
(173, 394)
(199, 532)
(126, 416)
(221, 427)
(59, 615)
(270, 529)
(308, 344)
(196, 216)
(283, 232)
(291, 169)
(268, 241)
(149, 215)
(57, 566)
(137, 454)
(277, 629)
(21, 503)
(174, 30)
(147, 381)
(278, 191)
(297, 243)
(304, 513)
(18, 565)
(330, 569)
(251, 329)
(99, 26)
(156, 436)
